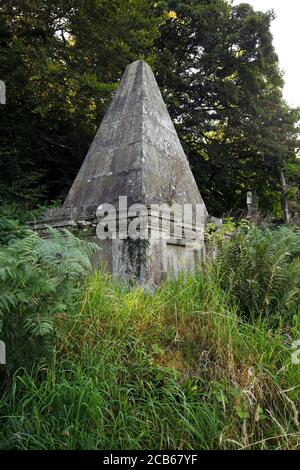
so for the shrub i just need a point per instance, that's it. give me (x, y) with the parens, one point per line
(260, 268)
(38, 280)
(10, 229)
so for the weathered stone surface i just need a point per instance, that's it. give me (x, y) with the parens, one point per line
(136, 153)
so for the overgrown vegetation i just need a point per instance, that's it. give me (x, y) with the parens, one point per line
(38, 280)
(215, 64)
(204, 362)
(260, 269)
(198, 364)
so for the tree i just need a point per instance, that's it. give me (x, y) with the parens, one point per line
(215, 63)
(61, 61)
(220, 77)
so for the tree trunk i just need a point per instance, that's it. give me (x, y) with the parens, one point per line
(284, 204)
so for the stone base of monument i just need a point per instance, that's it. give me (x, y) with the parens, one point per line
(162, 247)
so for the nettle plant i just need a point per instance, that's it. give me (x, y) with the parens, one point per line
(39, 279)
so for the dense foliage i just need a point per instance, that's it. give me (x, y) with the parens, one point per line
(221, 79)
(261, 270)
(204, 362)
(215, 64)
(61, 61)
(180, 368)
(38, 280)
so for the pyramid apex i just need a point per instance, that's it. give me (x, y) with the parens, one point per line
(139, 61)
(138, 67)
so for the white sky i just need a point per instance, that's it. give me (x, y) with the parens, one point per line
(286, 33)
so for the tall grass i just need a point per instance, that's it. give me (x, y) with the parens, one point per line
(180, 368)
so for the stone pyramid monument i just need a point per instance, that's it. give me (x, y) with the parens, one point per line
(136, 153)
